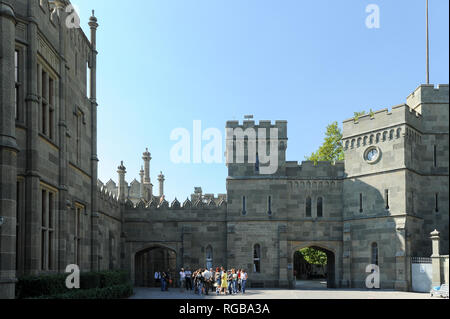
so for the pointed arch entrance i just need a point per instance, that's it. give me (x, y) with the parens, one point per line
(151, 260)
(314, 276)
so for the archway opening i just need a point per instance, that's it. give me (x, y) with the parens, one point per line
(149, 261)
(314, 268)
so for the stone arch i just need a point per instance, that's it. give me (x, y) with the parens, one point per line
(143, 267)
(332, 250)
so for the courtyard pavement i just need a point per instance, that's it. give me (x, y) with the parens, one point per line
(308, 293)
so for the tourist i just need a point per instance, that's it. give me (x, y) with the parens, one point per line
(157, 278)
(224, 282)
(244, 278)
(163, 281)
(239, 280)
(199, 281)
(182, 279)
(207, 275)
(234, 278)
(217, 278)
(230, 282)
(188, 275)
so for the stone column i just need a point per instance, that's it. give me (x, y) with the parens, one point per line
(94, 159)
(401, 282)
(32, 178)
(435, 259)
(346, 261)
(121, 170)
(64, 204)
(161, 180)
(8, 154)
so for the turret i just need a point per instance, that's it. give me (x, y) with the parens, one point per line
(141, 191)
(161, 184)
(121, 170)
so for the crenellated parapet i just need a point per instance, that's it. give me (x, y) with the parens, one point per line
(383, 122)
(104, 196)
(312, 170)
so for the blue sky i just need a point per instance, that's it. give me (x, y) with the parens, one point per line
(164, 63)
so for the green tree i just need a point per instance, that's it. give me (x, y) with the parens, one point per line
(331, 149)
(315, 257)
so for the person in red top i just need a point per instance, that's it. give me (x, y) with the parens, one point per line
(239, 280)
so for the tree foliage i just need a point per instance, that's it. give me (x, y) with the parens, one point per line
(314, 256)
(331, 149)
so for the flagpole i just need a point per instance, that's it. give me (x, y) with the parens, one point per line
(428, 50)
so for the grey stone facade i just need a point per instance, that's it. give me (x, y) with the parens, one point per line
(56, 212)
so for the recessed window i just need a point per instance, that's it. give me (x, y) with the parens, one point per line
(361, 203)
(17, 85)
(269, 205)
(386, 198)
(374, 254)
(257, 258)
(435, 156)
(320, 207)
(244, 205)
(308, 206)
(209, 257)
(436, 202)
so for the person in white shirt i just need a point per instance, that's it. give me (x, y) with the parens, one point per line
(207, 277)
(244, 278)
(182, 279)
(157, 278)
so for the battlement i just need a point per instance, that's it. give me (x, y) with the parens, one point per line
(280, 125)
(428, 93)
(308, 169)
(162, 204)
(106, 196)
(399, 114)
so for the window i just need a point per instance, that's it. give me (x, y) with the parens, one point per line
(47, 229)
(78, 123)
(361, 203)
(43, 227)
(19, 226)
(308, 206)
(269, 205)
(374, 254)
(386, 198)
(320, 207)
(257, 258)
(17, 84)
(436, 202)
(435, 156)
(244, 205)
(51, 101)
(209, 257)
(77, 234)
(412, 202)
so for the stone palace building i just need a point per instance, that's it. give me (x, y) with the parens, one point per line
(379, 206)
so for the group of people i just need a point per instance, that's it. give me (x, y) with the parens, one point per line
(204, 280)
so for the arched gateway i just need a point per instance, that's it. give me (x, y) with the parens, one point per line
(151, 260)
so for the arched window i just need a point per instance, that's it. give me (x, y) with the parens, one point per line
(320, 207)
(371, 139)
(374, 254)
(385, 136)
(244, 205)
(209, 257)
(365, 140)
(257, 258)
(308, 206)
(378, 137)
(399, 130)
(391, 134)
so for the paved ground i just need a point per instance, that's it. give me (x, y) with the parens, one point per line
(156, 293)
